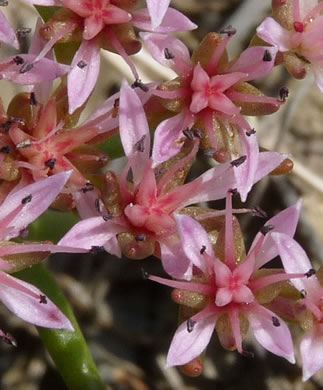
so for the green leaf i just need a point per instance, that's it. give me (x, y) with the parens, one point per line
(68, 349)
(52, 225)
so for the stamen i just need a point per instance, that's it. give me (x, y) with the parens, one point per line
(258, 212)
(23, 233)
(145, 274)
(276, 321)
(198, 133)
(32, 100)
(138, 83)
(310, 273)
(23, 32)
(283, 93)
(238, 161)
(303, 293)
(267, 56)
(18, 60)
(7, 338)
(168, 54)
(26, 68)
(50, 163)
(140, 146)
(266, 229)
(140, 237)
(99, 206)
(250, 132)
(107, 217)
(27, 199)
(81, 64)
(229, 30)
(5, 149)
(190, 325)
(188, 134)
(203, 249)
(88, 187)
(95, 249)
(116, 103)
(43, 299)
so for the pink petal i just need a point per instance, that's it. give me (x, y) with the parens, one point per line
(212, 185)
(252, 64)
(295, 260)
(305, 6)
(311, 351)
(267, 162)
(112, 247)
(186, 345)
(223, 296)
(7, 33)
(276, 339)
(166, 138)
(41, 90)
(157, 10)
(173, 21)
(43, 194)
(86, 204)
(284, 222)
(93, 231)
(272, 32)
(243, 294)
(92, 26)
(23, 299)
(199, 102)
(45, 2)
(220, 102)
(200, 80)
(157, 43)
(134, 129)
(174, 261)
(194, 239)
(81, 80)
(246, 172)
(42, 70)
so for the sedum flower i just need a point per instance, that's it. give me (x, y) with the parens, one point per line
(211, 94)
(107, 24)
(296, 30)
(21, 207)
(141, 212)
(229, 292)
(309, 311)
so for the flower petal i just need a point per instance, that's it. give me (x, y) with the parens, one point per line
(276, 339)
(272, 32)
(284, 222)
(7, 33)
(194, 239)
(166, 138)
(43, 193)
(172, 21)
(23, 299)
(295, 260)
(40, 71)
(133, 130)
(186, 345)
(81, 80)
(93, 231)
(157, 43)
(157, 10)
(311, 351)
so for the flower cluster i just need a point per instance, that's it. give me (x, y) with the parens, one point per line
(48, 158)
